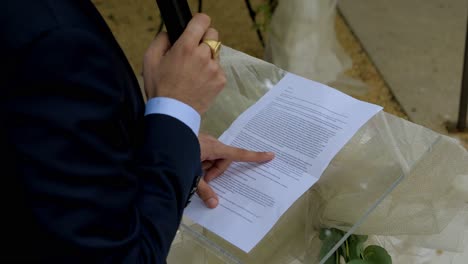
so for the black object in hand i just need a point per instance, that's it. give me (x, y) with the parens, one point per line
(176, 15)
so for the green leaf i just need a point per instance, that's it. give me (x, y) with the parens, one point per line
(356, 246)
(329, 237)
(377, 255)
(352, 250)
(344, 250)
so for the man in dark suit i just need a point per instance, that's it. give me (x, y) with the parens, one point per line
(90, 174)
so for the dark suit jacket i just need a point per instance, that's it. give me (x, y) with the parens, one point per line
(85, 177)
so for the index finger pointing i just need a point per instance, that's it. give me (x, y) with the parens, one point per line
(195, 30)
(243, 155)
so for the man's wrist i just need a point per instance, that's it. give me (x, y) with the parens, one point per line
(176, 109)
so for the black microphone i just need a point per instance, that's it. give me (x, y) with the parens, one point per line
(176, 15)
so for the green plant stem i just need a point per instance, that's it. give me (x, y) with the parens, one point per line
(253, 16)
(347, 250)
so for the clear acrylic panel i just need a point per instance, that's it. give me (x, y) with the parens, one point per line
(392, 178)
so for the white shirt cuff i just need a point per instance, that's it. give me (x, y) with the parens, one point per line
(174, 108)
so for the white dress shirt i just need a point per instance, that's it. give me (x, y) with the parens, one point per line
(174, 108)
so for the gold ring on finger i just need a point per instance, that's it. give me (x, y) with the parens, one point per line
(215, 47)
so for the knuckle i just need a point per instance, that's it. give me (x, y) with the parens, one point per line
(222, 80)
(216, 67)
(186, 48)
(205, 56)
(213, 68)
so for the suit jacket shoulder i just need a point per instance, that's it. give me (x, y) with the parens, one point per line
(23, 21)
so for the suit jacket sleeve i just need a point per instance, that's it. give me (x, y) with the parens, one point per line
(95, 197)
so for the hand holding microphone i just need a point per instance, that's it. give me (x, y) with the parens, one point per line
(187, 71)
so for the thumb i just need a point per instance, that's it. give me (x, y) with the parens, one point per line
(207, 194)
(159, 46)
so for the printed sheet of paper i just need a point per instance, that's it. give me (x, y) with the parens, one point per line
(305, 124)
